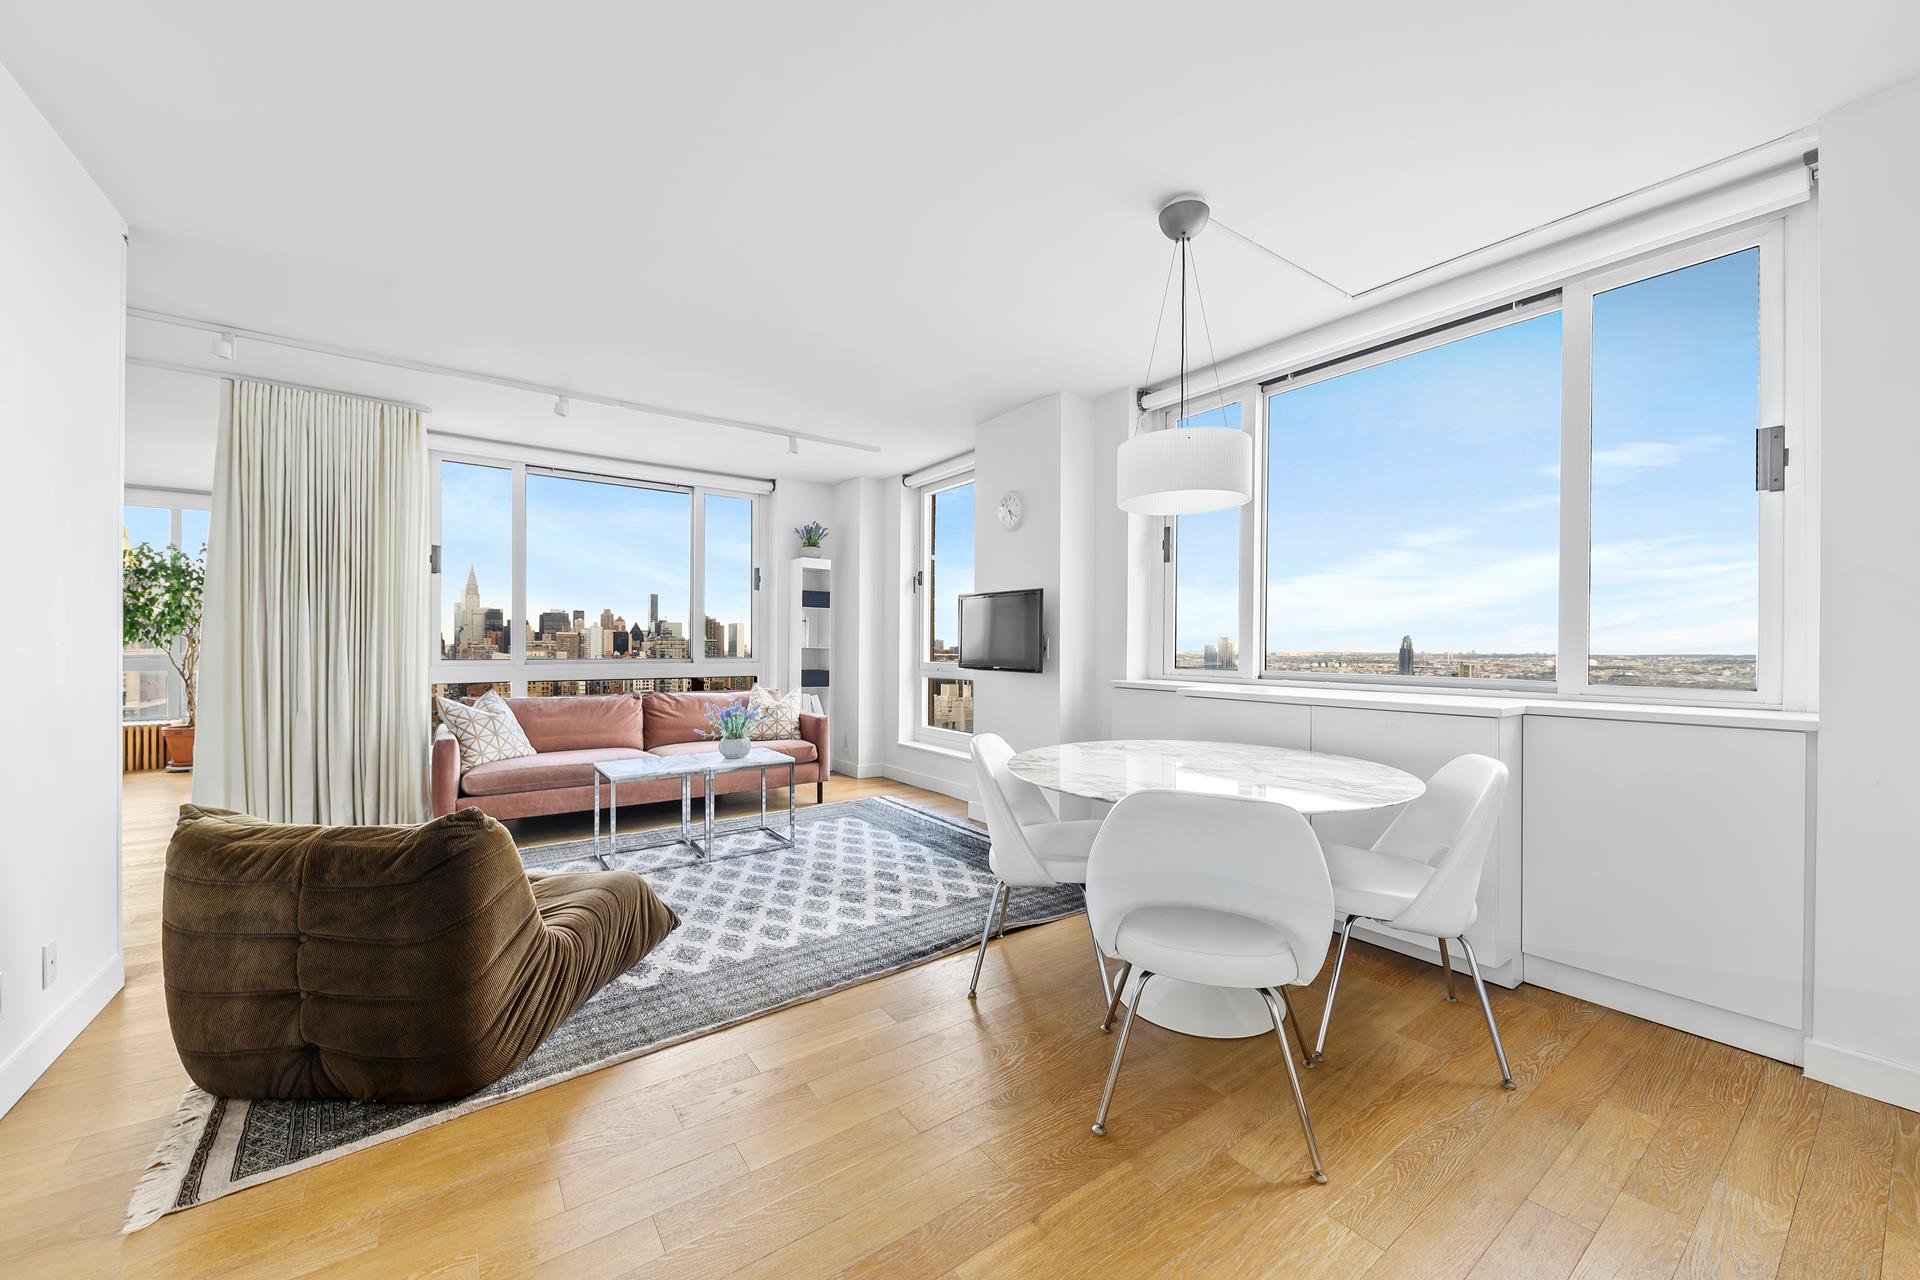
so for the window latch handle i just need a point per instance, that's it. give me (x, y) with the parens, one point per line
(1770, 459)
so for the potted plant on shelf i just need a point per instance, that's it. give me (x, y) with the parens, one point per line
(160, 596)
(732, 724)
(813, 535)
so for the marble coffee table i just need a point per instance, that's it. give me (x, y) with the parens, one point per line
(706, 765)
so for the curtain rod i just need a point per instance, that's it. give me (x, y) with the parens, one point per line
(231, 376)
(471, 375)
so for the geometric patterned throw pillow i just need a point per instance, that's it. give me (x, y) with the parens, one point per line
(486, 731)
(779, 717)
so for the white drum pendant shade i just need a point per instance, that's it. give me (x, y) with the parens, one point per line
(1180, 471)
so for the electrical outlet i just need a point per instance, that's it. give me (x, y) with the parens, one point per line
(49, 964)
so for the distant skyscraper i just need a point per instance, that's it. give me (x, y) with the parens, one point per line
(1406, 655)
(579, 619)
(653, 614)
(733, 640)
(554, 621)
(606, 619)
(716, 638)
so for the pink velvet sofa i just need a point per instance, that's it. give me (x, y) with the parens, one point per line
(571, 734)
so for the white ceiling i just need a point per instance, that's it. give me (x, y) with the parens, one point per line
(879, 221)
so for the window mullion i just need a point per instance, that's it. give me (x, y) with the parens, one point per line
(1576, 488)
(521, 629)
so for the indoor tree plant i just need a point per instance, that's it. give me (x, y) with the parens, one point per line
(160, 595)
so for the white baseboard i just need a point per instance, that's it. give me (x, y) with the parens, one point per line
(1857, 1072)
(853, 769)
(30, 1061)
(927, 781)
(1501, 975)
(1737, 1029)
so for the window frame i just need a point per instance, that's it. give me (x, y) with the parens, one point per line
(174, 502)
(924, 669)
(1782, 591)
(517, 669)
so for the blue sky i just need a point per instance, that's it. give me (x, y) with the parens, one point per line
(1420, 496)
(591, 546)
(953, 559)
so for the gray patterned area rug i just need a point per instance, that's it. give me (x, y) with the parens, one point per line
(871, 887)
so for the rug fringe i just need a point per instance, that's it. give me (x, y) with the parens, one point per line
(154, 1194)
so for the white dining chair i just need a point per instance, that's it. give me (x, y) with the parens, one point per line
(1423, 875)
(1031, 847)
(1222, 891)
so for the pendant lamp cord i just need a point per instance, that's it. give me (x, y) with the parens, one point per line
(1183, 332)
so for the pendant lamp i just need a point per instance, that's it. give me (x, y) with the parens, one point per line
(1183, 471)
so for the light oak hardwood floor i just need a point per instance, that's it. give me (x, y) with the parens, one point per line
(898, 1129)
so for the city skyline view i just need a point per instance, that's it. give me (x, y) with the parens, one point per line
(603, 550)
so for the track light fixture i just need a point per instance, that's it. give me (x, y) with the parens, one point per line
(223, 344)
(793, 444)
(562, 406)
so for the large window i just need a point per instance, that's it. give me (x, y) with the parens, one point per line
(546, 578)
(1556, 494)
(1413, 523)
(608, 569)
(1676, 521)
(149, 685)
(946, 574)
(1206, 603)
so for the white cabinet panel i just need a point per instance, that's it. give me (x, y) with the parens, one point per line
(1672, 857)
(1420, 743)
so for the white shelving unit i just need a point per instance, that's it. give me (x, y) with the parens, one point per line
(810, 627)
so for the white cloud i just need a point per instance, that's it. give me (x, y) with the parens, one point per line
(1623, 461)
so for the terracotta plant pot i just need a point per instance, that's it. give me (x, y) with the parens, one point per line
(179, 743)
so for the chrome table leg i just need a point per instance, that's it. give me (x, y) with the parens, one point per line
(1486, 1007)
(1119, 988)
(1293, 1078)
(596, 811)
(1119, 1051)
(1333, 988)
(986, 933)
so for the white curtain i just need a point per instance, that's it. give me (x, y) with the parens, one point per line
(313, 675)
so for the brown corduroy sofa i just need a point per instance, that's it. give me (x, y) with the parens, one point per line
(390, 964)
(571, 734)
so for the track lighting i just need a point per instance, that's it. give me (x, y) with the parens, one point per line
(562, 406)
(223, 345)
(793, 444)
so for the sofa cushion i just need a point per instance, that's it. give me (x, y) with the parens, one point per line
(779, 717)
(802, 751)
(576, 724)
(682, 717)
(542, 772)
(486, 730)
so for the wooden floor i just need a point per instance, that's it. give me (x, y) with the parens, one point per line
(899, 1130)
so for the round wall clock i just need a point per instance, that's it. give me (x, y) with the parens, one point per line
(1010, 509)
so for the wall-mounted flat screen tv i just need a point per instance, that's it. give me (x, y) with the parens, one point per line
(1000, 631)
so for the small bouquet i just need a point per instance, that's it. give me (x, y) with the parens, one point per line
(731, 724)
(812, 534)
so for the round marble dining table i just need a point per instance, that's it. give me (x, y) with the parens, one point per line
(1313, 782)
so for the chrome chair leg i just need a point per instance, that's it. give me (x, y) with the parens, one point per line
(1306, 1055)
(1293, 1078)
(980, 957)
(1486, 1007)
(1119, 1051)
(1446, 967)
(1119, 989)
(1333, 989)
(1006, 898)
(1100, 963)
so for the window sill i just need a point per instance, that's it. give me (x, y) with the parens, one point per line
(949, 753)
(1487, 705)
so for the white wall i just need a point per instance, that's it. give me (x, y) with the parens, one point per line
(1866, 1010)
(860, 648)
(62, 323)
